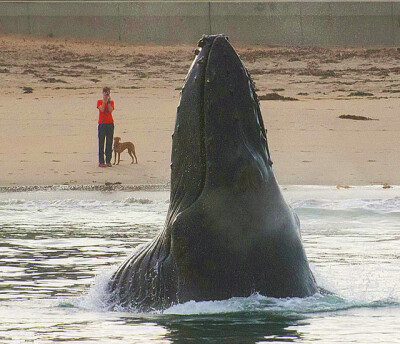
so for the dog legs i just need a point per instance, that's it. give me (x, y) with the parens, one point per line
(132, 154)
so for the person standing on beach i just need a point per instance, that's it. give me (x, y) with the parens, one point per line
(106, 127)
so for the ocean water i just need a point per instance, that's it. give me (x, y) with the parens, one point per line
(58, 249)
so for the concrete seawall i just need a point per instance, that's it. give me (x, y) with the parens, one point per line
(165, 22)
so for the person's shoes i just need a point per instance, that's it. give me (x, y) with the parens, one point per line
(102, 164)
(109, 164)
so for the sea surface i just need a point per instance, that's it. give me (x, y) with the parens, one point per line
(59, 248)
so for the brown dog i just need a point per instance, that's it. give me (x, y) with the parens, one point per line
(119, 147)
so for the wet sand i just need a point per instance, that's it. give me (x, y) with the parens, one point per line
(49, 116)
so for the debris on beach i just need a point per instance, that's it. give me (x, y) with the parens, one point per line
(386, 186)
(27, 89)
(318, 72)
(391, 91)
(275, 96)
(53, 80)
(358, 118)
(360, 94)
(342, 187)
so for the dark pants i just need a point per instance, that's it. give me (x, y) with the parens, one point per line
(106, 133)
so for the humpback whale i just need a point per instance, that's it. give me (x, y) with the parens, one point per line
(228, 231)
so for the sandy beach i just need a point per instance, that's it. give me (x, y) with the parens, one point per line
(49, 118)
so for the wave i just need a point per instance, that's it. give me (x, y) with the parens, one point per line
(391, 205)
(138, 201)
(374, 206)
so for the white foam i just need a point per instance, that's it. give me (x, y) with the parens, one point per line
(257, 303)
(97, 296)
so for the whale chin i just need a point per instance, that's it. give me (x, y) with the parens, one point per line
(228, 230)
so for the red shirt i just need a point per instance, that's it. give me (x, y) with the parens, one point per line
(106, 116)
